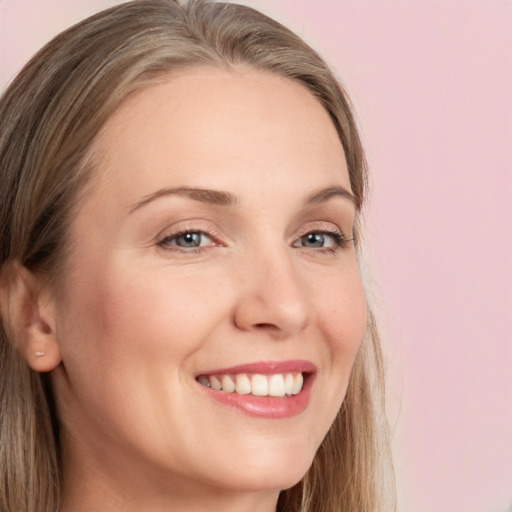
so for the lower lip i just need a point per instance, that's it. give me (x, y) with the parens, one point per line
(271, 407)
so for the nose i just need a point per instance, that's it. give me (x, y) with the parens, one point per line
(273, 298)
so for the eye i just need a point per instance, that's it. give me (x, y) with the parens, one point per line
(322, 240)
(187, 240)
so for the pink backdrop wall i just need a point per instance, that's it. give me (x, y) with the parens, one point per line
(432, 83)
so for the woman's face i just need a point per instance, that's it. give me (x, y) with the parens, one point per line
(215, 247)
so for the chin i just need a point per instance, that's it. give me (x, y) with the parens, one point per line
(269, 479)
(271, 469)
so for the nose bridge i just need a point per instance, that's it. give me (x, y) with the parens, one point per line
(274, 297)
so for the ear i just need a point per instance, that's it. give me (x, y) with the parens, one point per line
(28, 310)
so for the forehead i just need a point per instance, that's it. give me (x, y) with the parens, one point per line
(216, 128)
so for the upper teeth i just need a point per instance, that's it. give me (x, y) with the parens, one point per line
(278, 384)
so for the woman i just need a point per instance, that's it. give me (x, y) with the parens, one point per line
(184, 322)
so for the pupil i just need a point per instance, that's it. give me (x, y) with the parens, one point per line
(190, 240)
(315, 240)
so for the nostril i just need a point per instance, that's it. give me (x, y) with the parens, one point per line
(272, 311)
(266, 326)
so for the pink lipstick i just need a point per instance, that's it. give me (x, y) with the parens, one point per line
(273, 389)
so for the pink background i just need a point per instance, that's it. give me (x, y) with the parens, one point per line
(432, 84)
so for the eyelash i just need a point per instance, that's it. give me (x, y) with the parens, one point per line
(340, 240)
(164, 241)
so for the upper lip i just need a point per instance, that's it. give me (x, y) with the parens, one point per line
(267, 367)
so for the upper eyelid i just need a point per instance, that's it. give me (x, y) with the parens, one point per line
(321, 229)
(194, 226)
(177, 234)
(322, 226)
(180, 232)
(180, 228)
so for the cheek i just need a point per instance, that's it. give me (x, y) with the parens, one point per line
(342, 314)
(142, 313)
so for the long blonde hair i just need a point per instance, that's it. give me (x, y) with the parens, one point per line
(49, 116)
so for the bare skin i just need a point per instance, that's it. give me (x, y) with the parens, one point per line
(164, 288)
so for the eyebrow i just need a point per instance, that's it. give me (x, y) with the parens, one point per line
(220, 198)
(324, 194)
(203, 195)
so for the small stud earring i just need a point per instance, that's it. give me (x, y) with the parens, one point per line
(40, 353)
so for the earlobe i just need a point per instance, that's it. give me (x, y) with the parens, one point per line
(29, 314)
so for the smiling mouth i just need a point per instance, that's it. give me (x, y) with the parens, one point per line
(257, 384)
(266, 389)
